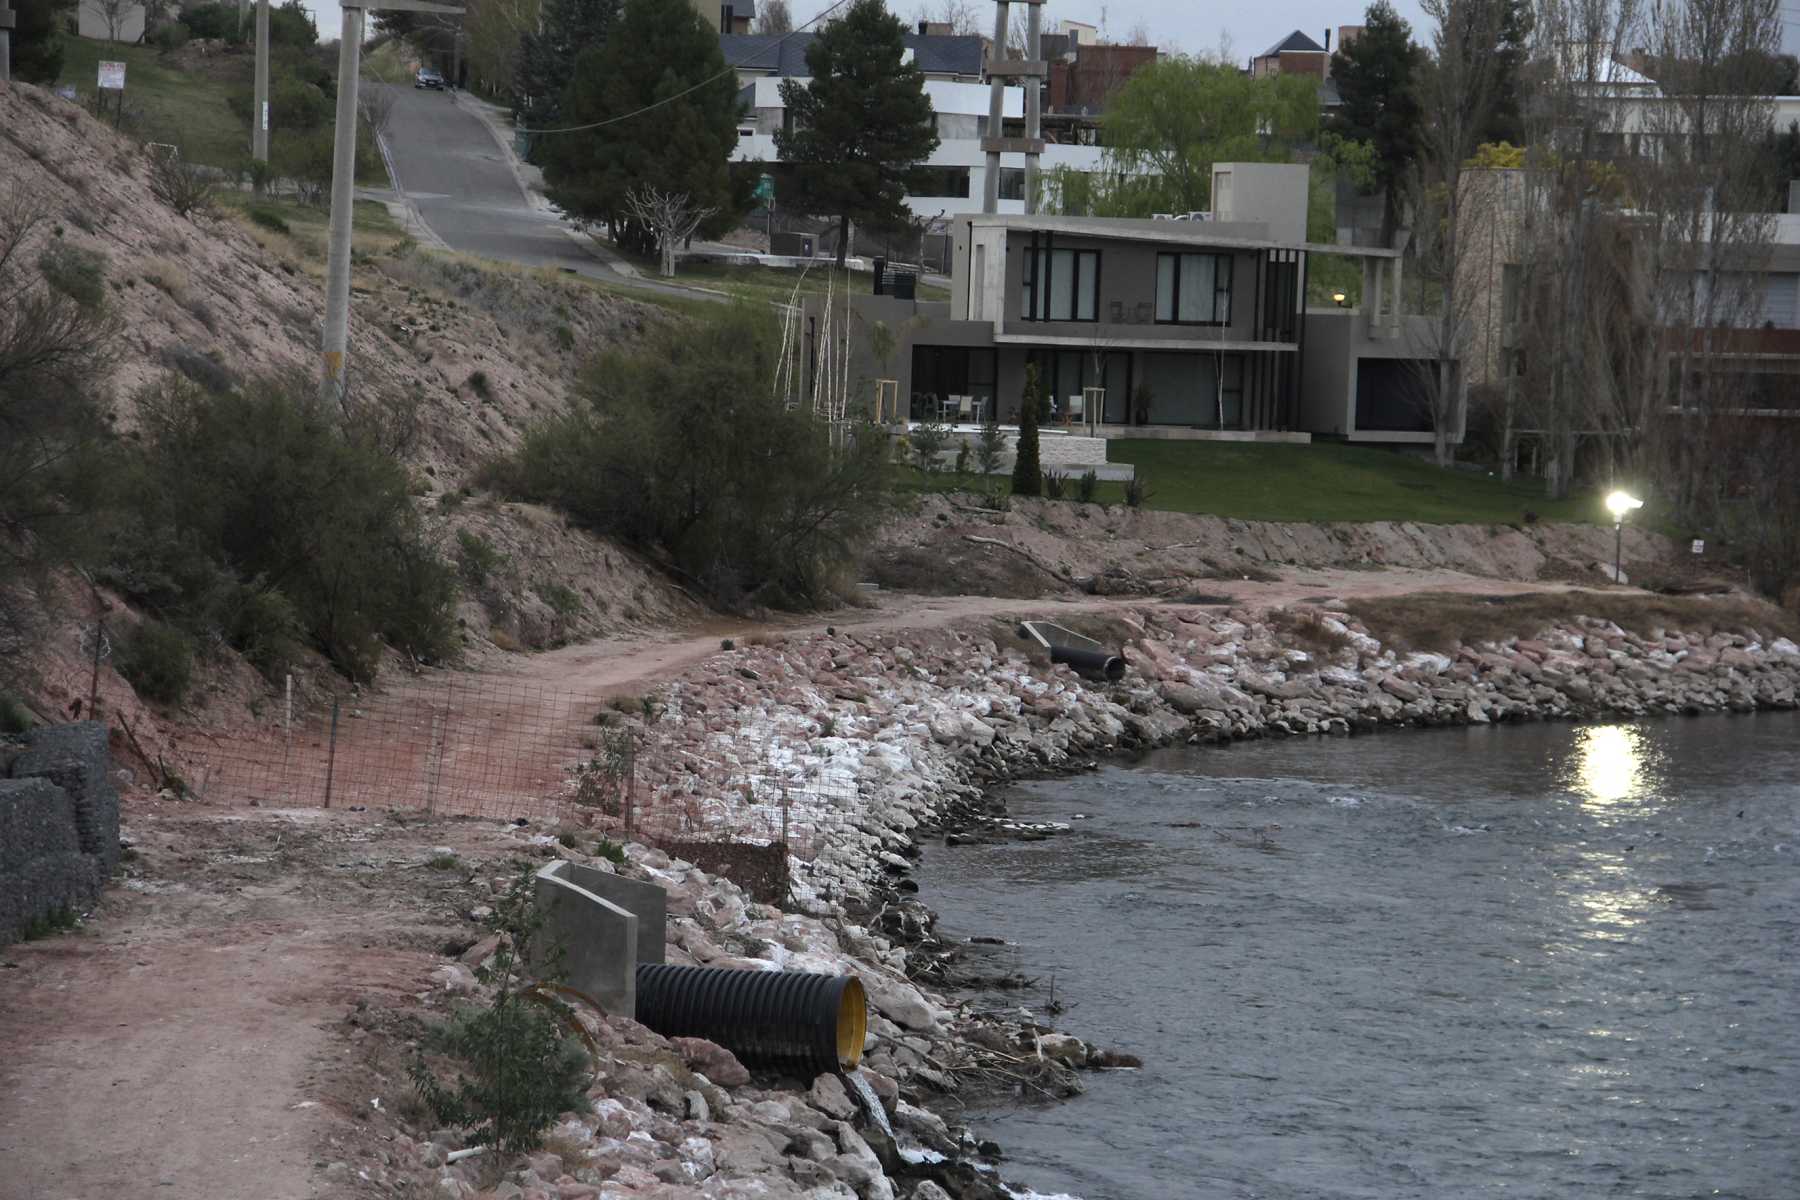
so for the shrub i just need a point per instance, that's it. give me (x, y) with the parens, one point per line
(1054, 484)
(1028, 479)
(303, 158)
(268, 218)
(962, 456)
(927, 440)
(610, 850)
(158, 661)
(270, 482)
(1137, 490)
(681, 447)
(478, 383)
(990, 448)
(265, 628)
(14, 717)
(171, 36)
(181, 183)
(1088, 486)
(565, 338)
(517, 1071)
(565, 601)
(76, 273)
(476, 557)
(213, 21)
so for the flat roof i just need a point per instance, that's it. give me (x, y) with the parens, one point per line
(1173, 233)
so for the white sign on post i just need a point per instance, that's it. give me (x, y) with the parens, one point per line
(265, 116)
(1699, 546)
(112, 76)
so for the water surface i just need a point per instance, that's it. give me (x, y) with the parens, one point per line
(1528, 961)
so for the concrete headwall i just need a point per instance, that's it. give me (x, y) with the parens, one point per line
(59, 825)
(591, 942)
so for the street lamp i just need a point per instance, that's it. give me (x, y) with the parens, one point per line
(1618, 504)
(1338, 298)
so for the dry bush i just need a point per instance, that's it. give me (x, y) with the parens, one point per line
(169, 276)
(1429, 621)
(1306, 628)
(182, 184)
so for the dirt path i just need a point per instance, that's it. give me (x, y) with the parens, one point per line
(181, 1044)
(612, 667)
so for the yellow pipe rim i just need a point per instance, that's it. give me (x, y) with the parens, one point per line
(853, 1023)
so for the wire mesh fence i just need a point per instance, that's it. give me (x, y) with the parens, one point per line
(486, 745)
(504, 747)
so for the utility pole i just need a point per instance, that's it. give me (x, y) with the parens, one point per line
(259, 116)
(343, 185)
(1001, 69)
(8, 19)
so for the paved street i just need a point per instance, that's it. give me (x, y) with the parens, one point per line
(465, 190)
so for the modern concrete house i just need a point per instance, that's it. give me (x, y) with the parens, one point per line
(1143, 328)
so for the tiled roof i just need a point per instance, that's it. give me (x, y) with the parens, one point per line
(1294, 43)
(785, 55)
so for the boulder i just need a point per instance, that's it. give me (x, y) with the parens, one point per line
(711, 1060)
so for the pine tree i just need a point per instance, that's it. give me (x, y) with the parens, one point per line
(1375, 76)
(547, 57)
(656, 52)
(1028, 476)
(37, 43)
(860, 125)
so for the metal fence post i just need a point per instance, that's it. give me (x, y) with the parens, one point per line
(94, 680)
(631, 790)
(287, 745)
(331, 756)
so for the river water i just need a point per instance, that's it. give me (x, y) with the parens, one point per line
(1527, 961)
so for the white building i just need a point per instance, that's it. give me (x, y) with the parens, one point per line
(959, 98)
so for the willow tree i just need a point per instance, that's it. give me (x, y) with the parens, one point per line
(1173, 119)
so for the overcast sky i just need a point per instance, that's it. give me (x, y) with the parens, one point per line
(1172, 24)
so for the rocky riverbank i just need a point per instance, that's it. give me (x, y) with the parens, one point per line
(876, 743)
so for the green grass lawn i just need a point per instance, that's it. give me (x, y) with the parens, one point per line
(1322, 482)
(1331, 482)
(775, 285)
(188, 109)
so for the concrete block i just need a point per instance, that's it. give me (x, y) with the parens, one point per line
(76, 759)
(587, 942)
(648, 902)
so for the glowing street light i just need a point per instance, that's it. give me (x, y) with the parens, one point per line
(1338, 298)
(1618, 504)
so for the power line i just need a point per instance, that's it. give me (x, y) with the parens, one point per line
(729, 70)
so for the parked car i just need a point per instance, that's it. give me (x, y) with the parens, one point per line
(429, 78)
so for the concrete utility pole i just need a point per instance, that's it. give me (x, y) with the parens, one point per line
(259, 116)
(343, 186)
(1031, 69)
(8, 19)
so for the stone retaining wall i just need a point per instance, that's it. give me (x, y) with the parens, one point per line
(59, 825)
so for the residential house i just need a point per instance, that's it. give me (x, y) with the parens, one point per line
(1083, 82)
(1295, 54)
(1144, 328)
(123, 22)
(955, 174)
(727, 16)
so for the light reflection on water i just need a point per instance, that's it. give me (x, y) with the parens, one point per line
(1529, 961)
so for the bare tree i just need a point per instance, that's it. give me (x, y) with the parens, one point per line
(773, 18)
(115, 13)
(1457, 92)
(375, 100)
(668, 215)
(964, 17)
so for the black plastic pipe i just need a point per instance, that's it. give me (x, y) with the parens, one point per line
(1097, 663)
(790, 1020)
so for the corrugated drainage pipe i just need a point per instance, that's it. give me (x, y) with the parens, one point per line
(789, 1020)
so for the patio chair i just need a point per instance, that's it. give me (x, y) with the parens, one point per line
(1073, 411)
(965, 409)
